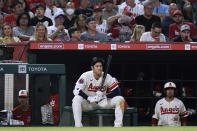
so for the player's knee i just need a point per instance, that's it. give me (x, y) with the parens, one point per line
(77, 100)
(120, 100)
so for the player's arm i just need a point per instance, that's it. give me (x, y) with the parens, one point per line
(113, 87)
(80, 85)
(184, 115)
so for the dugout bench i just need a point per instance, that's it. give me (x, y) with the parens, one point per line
(39, 84)
(67, 116)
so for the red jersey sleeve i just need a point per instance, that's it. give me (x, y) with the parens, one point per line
(171, 34)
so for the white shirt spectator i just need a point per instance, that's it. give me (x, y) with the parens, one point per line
(147, 37)
(50, 13)
(52, 29)
(102, 27)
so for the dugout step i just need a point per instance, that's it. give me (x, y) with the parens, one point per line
(89, 119)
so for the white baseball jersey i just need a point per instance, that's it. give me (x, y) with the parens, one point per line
(89, 85)
(169, 113)
(136, 11)
(102, 27)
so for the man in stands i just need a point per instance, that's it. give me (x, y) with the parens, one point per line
(148, 18)
(133, 8)
(33, 3)
(174, 29)
(91, 34)
(185, 35)
(83, 8)
(23, 111)
(154, 35)
(168, 19)
(40, 18)
(17, 10)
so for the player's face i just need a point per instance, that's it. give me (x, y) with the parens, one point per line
(170, 92)
(23, 100)
(98, 68)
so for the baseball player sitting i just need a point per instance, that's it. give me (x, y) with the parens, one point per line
(89, 95)
(169, 111)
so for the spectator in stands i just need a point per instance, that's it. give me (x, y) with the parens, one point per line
(70, 17)
(1, 23)
(95, 2)
(51, 9)
(101, 25)
(33, 3)
(134, 8)
(26, 8)
(23, 111)
(154, 35)
(40, 33)
(160, 9)
(23, 29)
(1, 8)
(17, 10)
(7, 6)
(185, 35)
(91, 34)
(80, 23)
(64, 2)
(174, 29)
(189, 8)
(137, 33)
(40, 18)
(121, 26)
(83, 8)
(148, 18)
(168, 19)
(57, 32)
(7, 34)
(108, 10)
(74, 34)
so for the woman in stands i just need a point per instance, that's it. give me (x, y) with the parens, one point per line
(40, 33)
(80, 23)
(26, 8)
(7, 34)
(137, 33)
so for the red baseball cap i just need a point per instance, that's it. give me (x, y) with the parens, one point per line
(110, 1)
(97, 8)
(177, 12)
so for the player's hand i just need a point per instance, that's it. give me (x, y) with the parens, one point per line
(100, 95)
(93, 99)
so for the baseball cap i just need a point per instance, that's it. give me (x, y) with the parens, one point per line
(89, 19)
(169, 85)
(177, 12)
(59, 13)
(23, 93)
(110, 1)
(185, 27)
(97, 8)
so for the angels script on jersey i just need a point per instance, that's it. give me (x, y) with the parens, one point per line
(96, 88)
(174, 110)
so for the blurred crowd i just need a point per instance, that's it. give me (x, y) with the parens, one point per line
(98, 20)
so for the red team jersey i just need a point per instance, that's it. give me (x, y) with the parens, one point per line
(10, 19)
(54, 102)
(174, 31)
(33, 3)
(19, 114)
